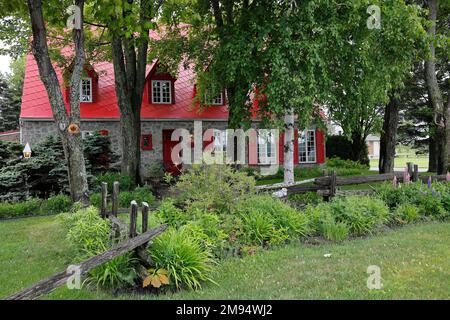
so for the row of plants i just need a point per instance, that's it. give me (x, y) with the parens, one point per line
(35, 206)
(216, 212)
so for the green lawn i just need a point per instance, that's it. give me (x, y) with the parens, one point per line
(414, 262)
(400, 162)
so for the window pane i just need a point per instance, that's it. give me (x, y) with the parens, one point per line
(307, 146)
(86, 90)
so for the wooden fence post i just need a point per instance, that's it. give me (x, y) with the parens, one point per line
(410, 168)
(415, 176)
(115, 199)
(133, 219)
(144, 216)
(104, 203)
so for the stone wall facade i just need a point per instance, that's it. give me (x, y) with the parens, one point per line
(33, 131)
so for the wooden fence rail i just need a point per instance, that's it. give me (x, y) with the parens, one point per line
(326, 186)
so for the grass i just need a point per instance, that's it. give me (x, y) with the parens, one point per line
(400, 162)
(413, 261)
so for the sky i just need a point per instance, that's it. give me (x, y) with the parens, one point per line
(4, 61)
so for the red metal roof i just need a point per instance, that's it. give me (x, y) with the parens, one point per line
(36, 105)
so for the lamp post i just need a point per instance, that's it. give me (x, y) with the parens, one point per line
(27, 151)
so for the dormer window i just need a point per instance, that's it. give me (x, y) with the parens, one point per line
(161, 92)
(86, 90)
(212, 98)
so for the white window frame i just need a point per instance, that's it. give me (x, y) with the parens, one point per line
(161, 96)
(310, 157)
(90, 90)
(264, 158)
(211, 101)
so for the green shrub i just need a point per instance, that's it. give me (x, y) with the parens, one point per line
(168, 213)
(56, 204)
(96, 199)
(87, 231)
(306, 198)
(115, 273)
(90, 235)
(362, 214)
(334, 231)
(217, 187)
(110, 178)
(432, 202)
(336, 162)
(265, 217)
(183, 257)
(406, 213)
(17, 209)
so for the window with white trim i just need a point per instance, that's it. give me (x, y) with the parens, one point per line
(307, 146)
(213, 97)
(266, 147)
(162, 91)
(86, 90)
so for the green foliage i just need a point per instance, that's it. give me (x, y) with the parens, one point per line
(432, 202)
(360, 214)
(56, 204)
(18, 209)
(140, 194)
(267, 220)
(168, 213)
(115, 273)
(335, 231)
(90, 236)
(98, 153)
(217, 187)
(111, 177)
(183, 257)
(306, 198)
(406, 213)
(45, 173)
(339, 146)
(87, 231)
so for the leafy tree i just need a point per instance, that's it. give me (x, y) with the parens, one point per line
(439, 46)
(66, 122)
(11, 95)
(282, 52)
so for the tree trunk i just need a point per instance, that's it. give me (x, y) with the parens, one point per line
(432, 151)
(440, 113)
(72, 143)
(129, 70)
(389, 136)
(289, 147)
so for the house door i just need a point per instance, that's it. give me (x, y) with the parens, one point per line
(168, 146)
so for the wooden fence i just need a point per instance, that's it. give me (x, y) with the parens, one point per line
(326, 186)
(134, 242)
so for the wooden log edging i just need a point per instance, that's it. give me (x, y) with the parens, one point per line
(48, 285)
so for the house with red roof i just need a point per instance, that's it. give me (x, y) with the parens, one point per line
(168, 104)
